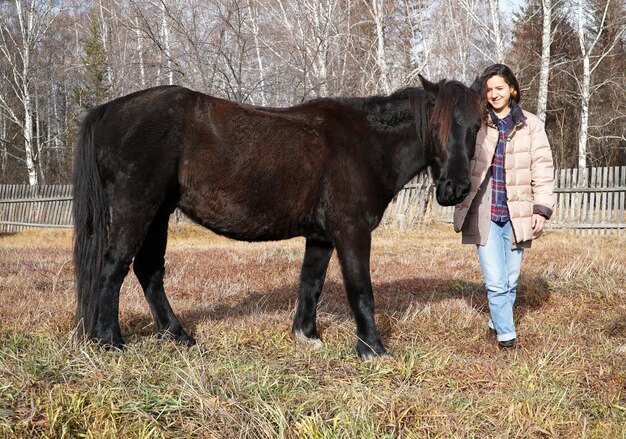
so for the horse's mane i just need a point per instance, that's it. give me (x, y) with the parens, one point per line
(451, 94)
(387, 112)
(413, 104)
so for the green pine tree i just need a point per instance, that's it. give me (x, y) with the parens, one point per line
(94, 87)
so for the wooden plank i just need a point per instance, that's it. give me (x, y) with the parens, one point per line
(593, 199)
(609, 198)
(25, 224)
(575, 196)
(622, 196)
(582, 190)
(601, 198)
(580, 196)
(561, 202)
(584, 183)
(566, 184)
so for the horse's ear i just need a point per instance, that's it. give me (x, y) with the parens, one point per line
(430, 87)
(476, 85)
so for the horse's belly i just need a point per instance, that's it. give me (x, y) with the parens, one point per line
(246, 221)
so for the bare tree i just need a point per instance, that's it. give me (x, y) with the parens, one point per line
(544, 72)
(593, 54)
(22, 27)
(376, 9)
(490, 29)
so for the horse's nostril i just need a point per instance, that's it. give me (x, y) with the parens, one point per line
(449, 189)
(463, 190)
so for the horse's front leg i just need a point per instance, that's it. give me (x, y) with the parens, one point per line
(353, 249)
(316, 258)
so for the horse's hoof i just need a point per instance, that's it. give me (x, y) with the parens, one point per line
(181, 338)
(376, 357)
(186, 340)
(369, 353)
(308, 342)
(118, 345)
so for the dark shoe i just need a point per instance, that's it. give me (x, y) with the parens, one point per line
(507, 343)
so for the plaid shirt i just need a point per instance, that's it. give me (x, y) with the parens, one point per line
(499, 208)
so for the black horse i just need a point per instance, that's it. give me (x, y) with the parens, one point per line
(325, 170)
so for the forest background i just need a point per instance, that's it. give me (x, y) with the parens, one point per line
(59, 58)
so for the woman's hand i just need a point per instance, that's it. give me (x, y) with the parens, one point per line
(538, 222)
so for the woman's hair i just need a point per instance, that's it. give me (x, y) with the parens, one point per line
(506, 73)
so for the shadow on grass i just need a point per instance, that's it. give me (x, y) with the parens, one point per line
(392, 298)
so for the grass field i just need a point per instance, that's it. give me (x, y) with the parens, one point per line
(246, 377)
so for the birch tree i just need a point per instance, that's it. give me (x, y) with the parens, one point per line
(376, 9)
(253, 12)
(165, 37)
(490, 29)
(420, 42)
(593, 54)
(22, 28)
(309, 45)
(544, 72)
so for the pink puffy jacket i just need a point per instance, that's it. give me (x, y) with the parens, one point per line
(529, 171)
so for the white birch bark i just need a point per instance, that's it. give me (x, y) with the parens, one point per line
(33, 20)
(494, 9)
(377, 11)
(3, 143)
(584, 85)
(41, 163)
(321, 24)
(544, 72)
(166, 43)
(104, 36)
(142, 66)
(25, 19)
(254, 24)
(591, 60)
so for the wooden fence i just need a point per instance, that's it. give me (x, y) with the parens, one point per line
(23, 207)
(590, 201)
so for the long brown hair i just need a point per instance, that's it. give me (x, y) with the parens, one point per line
(507, 74)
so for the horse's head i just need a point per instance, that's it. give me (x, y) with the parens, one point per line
(453, 126)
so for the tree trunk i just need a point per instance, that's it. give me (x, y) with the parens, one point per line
(29, 148)
(584, 114)
(166, 43)
(27, 128)
(544, 73)
(3, 143)
(254, 19)
(378, 13)
(494, 7)
(142, 67)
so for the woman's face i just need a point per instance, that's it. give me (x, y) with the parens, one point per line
(499, 94)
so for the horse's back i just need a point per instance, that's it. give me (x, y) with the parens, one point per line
(253, 173)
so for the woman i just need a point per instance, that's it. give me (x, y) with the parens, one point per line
(511, 195)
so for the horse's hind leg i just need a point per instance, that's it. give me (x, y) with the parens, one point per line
(316, 258)
(149, 266)
(125, 235)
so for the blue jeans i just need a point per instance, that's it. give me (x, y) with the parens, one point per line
(501, 266)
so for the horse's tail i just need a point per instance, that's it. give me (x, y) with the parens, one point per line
(91, 221)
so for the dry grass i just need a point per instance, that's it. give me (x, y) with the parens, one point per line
(246, 378)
